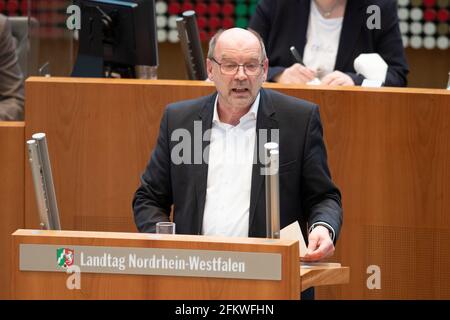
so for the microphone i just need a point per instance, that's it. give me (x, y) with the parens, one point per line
(190, 44)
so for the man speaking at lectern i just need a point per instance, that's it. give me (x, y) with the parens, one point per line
(216, 185)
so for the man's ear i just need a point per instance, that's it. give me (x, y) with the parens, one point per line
(266, 68)
(209, 67)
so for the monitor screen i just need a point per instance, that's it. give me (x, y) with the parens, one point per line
(117, 39)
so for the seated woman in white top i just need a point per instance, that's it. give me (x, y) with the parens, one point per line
(329, 35)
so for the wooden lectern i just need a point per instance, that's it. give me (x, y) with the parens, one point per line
(155, 266)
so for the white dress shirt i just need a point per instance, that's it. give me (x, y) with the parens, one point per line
(322, 42)
(230, 166)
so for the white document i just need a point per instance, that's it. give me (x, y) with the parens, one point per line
(293, 232)
(372, 83)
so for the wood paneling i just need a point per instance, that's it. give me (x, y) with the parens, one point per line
(428, 68)
(12, 148)
(100, 136)
(388, 149)
(389, 152)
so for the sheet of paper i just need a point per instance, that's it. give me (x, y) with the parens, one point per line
(293, 232)
(371, 83)
(314, 81)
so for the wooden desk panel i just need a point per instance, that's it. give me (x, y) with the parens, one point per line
(12, 155)
(51, 285)
(388, 150)
(100, 136)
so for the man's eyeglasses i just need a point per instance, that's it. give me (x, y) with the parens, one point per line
(231, 68)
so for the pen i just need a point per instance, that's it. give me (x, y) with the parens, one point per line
(296, 55)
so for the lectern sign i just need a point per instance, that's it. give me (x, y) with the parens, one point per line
(151, 261)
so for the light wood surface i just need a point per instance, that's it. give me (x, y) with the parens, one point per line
(12, 148)
(323, 274)
(388, 150)
(52, 285)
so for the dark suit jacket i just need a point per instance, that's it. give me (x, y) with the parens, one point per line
(284, 23)
(307, 193)
(11, 80)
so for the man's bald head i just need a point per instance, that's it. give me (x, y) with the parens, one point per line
(236, 37)
(238, 66)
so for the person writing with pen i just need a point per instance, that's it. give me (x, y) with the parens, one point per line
(328, 35)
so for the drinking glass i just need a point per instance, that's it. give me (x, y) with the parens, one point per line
(165, 227)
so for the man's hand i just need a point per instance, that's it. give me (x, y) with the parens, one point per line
(295, 74)
(337, 78)
(320, 245)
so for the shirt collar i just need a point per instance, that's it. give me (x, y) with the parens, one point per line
(251, 114)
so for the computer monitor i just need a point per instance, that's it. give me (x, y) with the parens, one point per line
(117, 39)
(43, 182)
